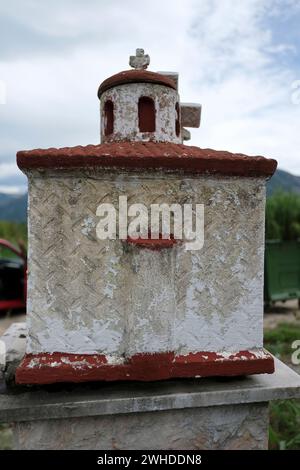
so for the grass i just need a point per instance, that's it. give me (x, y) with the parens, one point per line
(284, 430)
(279, 340)
(5, 437)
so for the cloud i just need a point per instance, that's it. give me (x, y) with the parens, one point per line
(245, 78)
(238, 59)
(6, 169)
(9, 173)
(10, 189)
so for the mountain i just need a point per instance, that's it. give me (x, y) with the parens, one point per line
(13, 207)
(282, 180)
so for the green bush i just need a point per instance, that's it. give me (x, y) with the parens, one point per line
(283, 216)
(14, 233)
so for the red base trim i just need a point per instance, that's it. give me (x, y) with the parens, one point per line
(45, 368)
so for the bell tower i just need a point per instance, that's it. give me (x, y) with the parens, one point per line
(139, 105)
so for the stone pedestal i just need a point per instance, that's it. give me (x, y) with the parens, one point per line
(216, 427)
(204, 413)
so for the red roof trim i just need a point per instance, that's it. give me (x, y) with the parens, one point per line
(150, 155)
(135, 76)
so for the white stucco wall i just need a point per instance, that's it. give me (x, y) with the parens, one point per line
(87, 295)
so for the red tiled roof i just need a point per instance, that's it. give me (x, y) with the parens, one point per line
(148, 155)
(135, 76)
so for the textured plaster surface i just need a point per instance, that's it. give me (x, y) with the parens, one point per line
(126, 127)
(190, 114)
(225, 427)
(89, 296)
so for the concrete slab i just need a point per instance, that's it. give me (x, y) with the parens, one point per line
(109, 399)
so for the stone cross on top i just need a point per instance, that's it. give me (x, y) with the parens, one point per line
(139, 61)
(190, 112)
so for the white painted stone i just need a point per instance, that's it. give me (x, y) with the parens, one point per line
(125, 99)
(88, 296)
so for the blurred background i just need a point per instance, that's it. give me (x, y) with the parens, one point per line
(240, 60)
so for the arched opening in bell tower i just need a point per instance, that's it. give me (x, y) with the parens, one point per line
(146, 112)
(108, 117)
(177, 119)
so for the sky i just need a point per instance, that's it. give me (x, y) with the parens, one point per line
(239, 59)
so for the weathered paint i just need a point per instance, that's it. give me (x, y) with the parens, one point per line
(91, 296)
(115, 309)
(57, 367)
(139, 61)
(126, 123)
(133, 77)
(190, 114)
(174, 76)
(153, 243)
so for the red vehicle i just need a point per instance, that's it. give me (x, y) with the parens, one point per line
(13, 277)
